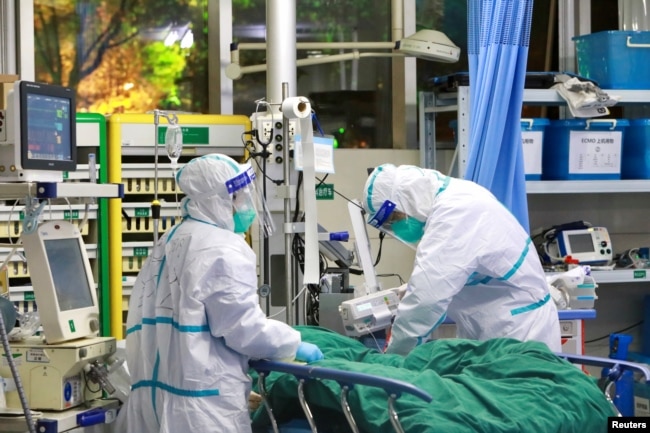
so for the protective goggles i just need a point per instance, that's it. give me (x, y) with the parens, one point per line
(247, 203)
(398, 224)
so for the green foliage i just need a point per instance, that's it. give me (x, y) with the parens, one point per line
(163, 67)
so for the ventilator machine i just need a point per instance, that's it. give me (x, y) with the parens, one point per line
(65, 366)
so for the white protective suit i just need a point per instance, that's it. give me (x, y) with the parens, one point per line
(474, 263)
(194, 319)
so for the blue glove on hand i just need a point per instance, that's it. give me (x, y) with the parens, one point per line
(308, 352)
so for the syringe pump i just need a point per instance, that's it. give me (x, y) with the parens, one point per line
(370, 313)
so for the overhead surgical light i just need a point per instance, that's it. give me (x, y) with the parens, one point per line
(429, 45)
(424, 44)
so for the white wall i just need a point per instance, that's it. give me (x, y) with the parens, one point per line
(351, 174)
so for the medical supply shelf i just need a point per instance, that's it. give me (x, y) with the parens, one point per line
(133, 137)
(587, 186)
(431, 103)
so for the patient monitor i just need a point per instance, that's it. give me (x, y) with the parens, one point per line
(589, 246)
(40, 140)
(64, 367)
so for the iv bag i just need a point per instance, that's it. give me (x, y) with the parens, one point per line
(174, 144)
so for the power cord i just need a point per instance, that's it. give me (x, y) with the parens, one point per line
(639, 323)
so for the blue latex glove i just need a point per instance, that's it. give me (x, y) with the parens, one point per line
(308, 352)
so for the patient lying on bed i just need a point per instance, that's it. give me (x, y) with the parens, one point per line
(500, 385)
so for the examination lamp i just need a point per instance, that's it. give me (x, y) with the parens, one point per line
(424, 44)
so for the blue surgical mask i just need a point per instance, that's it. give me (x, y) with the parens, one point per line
(244, 219)
(408, 229)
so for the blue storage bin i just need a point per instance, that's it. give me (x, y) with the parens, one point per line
(532, 140)
(579, 149)
(636, 150)
(615, 59)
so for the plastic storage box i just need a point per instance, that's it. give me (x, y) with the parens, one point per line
(615, 59)
(532, 140)
(579, 149)
(636, 150)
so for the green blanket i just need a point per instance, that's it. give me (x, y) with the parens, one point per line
(501, 385)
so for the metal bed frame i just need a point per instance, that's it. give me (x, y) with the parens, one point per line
(395, 388)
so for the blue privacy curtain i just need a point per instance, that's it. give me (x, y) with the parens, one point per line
(498, 39)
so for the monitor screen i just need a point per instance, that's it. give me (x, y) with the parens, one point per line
(47, 127)
(581, 243)
(69, 273)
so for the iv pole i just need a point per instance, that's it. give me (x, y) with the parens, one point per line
(172, 119)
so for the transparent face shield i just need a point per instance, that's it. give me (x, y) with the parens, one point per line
(390, 220)
(247, 203)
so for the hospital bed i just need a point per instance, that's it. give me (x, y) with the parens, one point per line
(346, 380)
(563, 398)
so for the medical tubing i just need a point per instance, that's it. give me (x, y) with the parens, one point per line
(84, 220)
(9, 256)
(16, 375)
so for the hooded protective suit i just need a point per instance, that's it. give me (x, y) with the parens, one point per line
(194, 319)
(474, 263)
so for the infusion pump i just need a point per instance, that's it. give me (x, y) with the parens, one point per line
(370, 313)
(589, 246)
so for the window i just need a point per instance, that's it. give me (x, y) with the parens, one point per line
(124, 56)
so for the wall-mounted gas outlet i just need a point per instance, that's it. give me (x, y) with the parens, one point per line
(267, 130)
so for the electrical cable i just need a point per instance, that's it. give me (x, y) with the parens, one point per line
(401, 280)
(382, 235)
(339, 194)
(14, 372)
(639, 323)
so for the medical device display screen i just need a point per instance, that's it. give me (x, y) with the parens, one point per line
(581, 243)
(49, 135)
(69, 274)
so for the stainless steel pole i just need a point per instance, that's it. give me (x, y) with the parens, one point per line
(288, 235)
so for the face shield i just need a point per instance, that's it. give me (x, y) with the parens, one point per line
(396, 223)
(247, 203)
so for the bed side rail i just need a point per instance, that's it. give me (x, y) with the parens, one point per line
(346, 380)
(615, 370)
(616, 366)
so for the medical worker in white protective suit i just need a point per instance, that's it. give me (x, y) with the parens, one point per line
(194, 318)
(474, 262)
